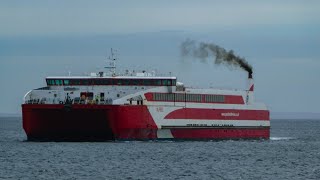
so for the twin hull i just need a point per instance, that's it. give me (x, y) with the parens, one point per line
(59, 122)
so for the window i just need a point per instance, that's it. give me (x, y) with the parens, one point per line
(50, 82)
(158, 82)
(90, 95)
(152, 82)
(58, 82)
(155, 96)
(188, 97)
(97, 81)
(84, 81)
(214, 98)
(146, 82)
(173, 82)
(102, 96)
(180, 97)
(194, 97)
(170, 97)
(136, 82)
(126, 82)
(164, 82)
(177, 97)
(112, 82)
(119, 82)
(106, 82)
(66, 82)
(74, 81)
(167, 97)
(123, 82)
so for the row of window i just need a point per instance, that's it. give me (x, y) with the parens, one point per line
(188, 97)
(214, 98)
(136, 82)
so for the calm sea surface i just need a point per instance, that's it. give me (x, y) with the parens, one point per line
(293, 152)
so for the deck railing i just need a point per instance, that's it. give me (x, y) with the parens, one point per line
(70, 101)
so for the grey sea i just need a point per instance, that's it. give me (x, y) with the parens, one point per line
(293, 152)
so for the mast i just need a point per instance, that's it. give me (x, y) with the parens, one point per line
(111, 64)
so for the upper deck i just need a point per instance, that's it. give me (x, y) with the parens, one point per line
(115, 88)
(110, 81)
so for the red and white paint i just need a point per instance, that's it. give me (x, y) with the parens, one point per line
(134, 114)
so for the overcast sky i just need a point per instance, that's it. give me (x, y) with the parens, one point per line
(279, 38)
(21, 18)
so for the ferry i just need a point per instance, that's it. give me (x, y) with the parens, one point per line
(111, 106)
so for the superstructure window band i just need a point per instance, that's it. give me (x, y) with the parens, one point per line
(188, 97)
(124, 82)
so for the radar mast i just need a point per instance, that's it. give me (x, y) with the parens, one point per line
(111, 63)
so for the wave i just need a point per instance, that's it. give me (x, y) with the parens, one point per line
(281, 138)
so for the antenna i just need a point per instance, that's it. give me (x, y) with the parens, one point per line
(111, 63)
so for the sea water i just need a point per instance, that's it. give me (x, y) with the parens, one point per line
(293, 152)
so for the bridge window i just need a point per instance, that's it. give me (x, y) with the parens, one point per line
(158, 82)
(147, 82)
(98, 81)
(173, 82)
(135, 81)
(84, 81)
(66, 82)
(50, 82)
(74, 81)
(119, 82)
(164, 82)
(126, 82)
(123, 82)
(58, 82)
(106, 82)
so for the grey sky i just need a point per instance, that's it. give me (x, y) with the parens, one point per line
(281, 40)
(100, 17)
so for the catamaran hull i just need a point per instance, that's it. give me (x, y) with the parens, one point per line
(58, 122)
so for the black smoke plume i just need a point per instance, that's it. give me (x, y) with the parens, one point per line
(204, 50)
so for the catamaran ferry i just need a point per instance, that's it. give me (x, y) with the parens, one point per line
(106, 106)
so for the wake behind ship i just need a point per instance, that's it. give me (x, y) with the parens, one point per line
(139, 106)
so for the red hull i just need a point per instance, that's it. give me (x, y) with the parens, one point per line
(114, 122)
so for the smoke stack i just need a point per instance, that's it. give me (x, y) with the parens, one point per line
(250, 97)
(250, 84)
